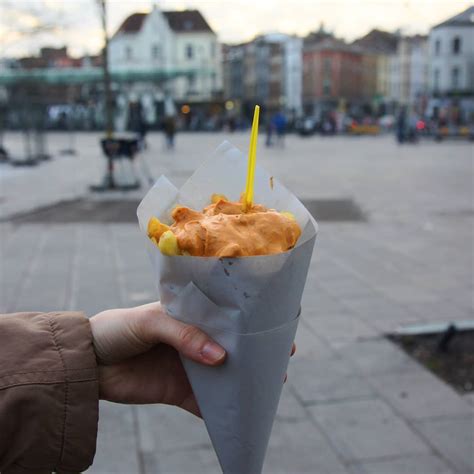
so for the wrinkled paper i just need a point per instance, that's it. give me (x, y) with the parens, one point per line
(250, 305)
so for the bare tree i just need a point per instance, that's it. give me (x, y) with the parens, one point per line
(109, 118)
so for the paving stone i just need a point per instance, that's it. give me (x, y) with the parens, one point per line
(18, 250)
(419, 464)
(47, 283)
(348, 287)
(308, 344)
(302, 449)
(341, 329)
(316, 303)
(377, 356)
(289, 408)
(453, 438)
(194, 461)
(419, 394)
(96, 285)
(469, 398)
(186, 451)
(445, 310)
(116, 443)
(366, 429)
(168, 429)
(173, 441)
(326, 379)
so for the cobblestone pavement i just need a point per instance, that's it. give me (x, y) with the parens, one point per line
(354, 403)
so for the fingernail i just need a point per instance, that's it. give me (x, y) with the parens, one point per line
(212, 352)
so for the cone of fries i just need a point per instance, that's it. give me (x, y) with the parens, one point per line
(230, 252)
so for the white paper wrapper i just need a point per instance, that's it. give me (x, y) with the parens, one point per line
(250, 305)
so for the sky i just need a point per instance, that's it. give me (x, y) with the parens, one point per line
(26, 25)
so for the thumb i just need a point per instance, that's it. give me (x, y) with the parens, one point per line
(190, 341)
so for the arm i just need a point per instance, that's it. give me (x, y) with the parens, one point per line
(54, 366)
(48, 392)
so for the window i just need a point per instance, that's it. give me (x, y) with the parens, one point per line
(189, 51)
(191, 84)
(327, 66)
(455, 78)
(326, 87)
(327, 76)
(457, 45)
(156, 51)
(213, 50)
(436, 79)
(128, 52)
(437, 47)
(188, 25)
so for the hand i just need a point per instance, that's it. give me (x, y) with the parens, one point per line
(137, 351)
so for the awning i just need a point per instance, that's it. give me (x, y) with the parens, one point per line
(91, 74)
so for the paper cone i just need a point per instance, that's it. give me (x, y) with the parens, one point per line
(239, 400)
(250, 305)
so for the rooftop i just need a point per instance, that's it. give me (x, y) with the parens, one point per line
(180, 21)
(378, 41)
(465, 18)
(187, 21)
(133, 23)
(329, 43)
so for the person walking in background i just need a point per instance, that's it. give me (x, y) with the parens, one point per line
(402, 125)
(279, 124)
(142, 130)
(169, 128)
(412, 132)
(169, 121)
(269, 129)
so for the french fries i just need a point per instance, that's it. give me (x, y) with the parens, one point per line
(164, 238)
(161, 235)
(168, 244)
(156, 228)
(288, 214)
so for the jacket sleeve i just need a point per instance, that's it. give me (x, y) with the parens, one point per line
(48, 393)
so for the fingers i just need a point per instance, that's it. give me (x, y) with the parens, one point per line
(155, 327)
(293, 350)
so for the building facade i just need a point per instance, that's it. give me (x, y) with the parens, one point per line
(267, 71)
(179, 44)
(332, 73)
(408, 70)
(233, 57)
(451, 46)
(377, 47)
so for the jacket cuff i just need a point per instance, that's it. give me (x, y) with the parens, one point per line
(72, 338)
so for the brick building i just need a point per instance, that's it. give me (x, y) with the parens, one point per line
(332, 72)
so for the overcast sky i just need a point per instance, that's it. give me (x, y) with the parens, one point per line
(75, 23)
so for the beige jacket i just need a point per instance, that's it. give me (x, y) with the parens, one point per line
(48, 393)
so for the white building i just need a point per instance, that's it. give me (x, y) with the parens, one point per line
(291, 69)
(294, 74)
(178, 46)
(452, 54)
(408, 70)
